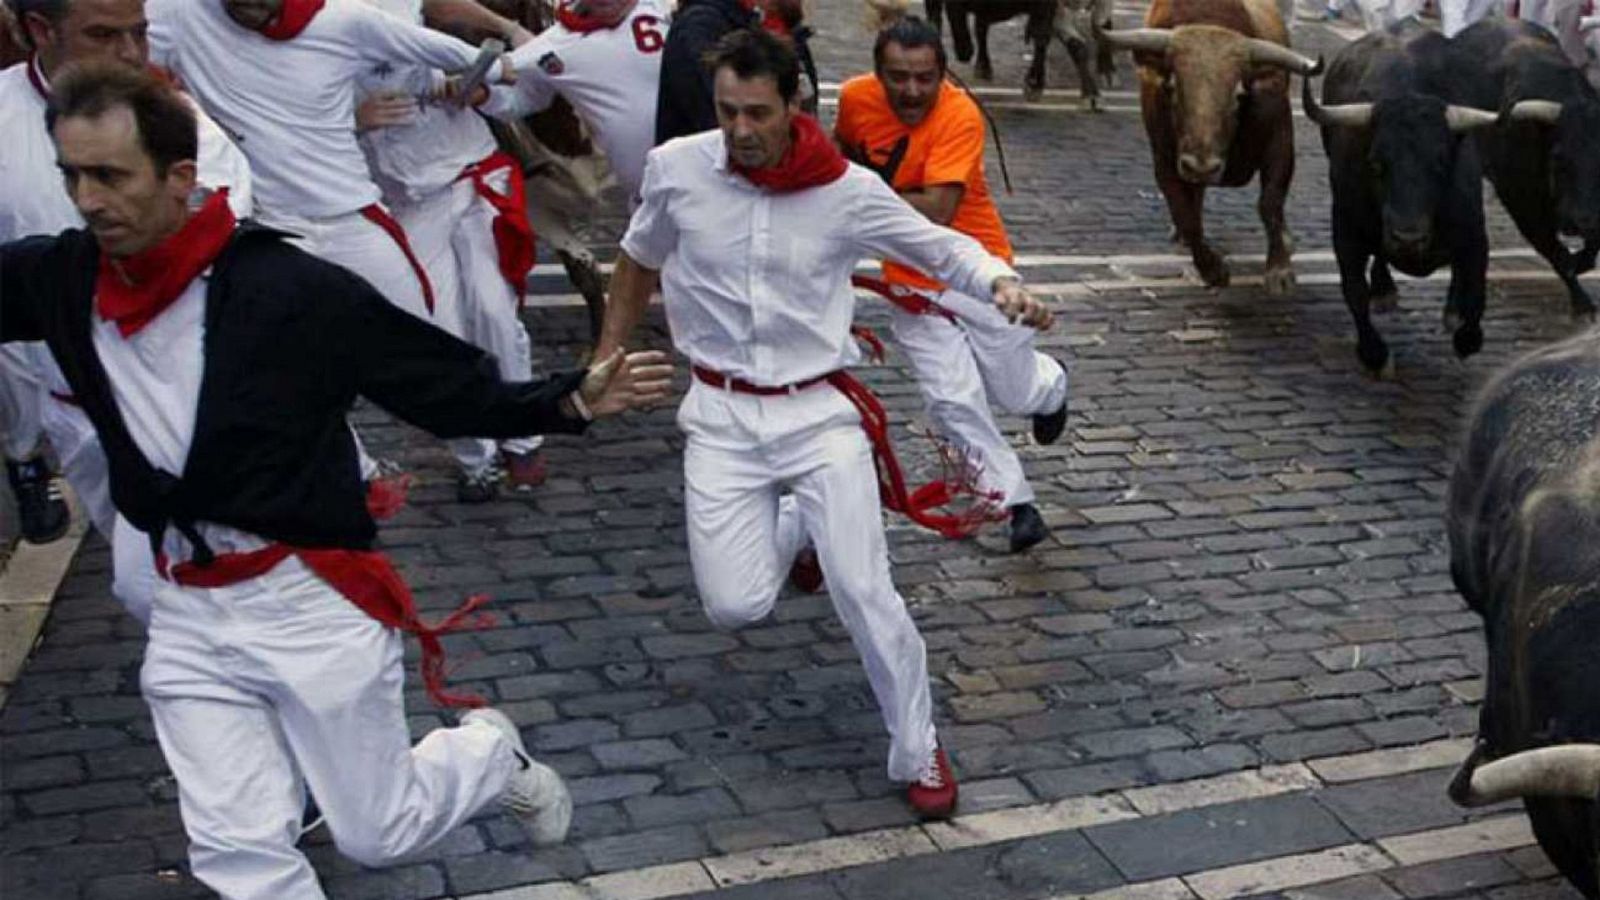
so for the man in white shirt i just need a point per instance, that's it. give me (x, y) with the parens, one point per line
(604, 57)
(462, 203)
(33, 201)
(751, 234)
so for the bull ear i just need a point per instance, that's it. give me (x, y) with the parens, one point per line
(1341, 115)
(1273, 54)
(1467, 118)
(1545, 112)
(1149, 40)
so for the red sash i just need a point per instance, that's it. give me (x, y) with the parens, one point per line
(514, 239)
(365, 578)
(908, 300)
(380, 217)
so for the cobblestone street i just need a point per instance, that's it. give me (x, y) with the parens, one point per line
(1237, 668)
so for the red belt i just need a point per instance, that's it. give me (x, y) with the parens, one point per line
(919, 504)
(380, 217)
(514, 240)
(365, 578)
(910, 301)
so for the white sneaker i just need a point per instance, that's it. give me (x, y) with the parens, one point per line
(535, 794)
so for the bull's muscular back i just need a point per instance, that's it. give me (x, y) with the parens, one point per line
(1251, 18)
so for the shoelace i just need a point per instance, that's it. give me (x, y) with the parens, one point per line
(932, 776)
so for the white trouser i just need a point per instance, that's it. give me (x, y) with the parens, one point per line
(452, 232)
(266, 688)
(21, 392)
(1455, 15)
(360, 245)
(966, 370)
(1379, 14)
(742, 452)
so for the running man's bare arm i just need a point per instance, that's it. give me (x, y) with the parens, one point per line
(630, 290)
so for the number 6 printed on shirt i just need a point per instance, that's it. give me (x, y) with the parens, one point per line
(646, 35)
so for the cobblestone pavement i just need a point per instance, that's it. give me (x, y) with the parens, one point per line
(1245, 587)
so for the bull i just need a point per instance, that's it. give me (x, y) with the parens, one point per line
(1213, 89)
(1407, 187)
(1542, 157)
(1522, 508)
(1077, 24)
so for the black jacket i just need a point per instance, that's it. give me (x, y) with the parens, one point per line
(290, 341)
(684, 105)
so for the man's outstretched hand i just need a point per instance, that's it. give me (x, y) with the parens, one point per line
(1020, 307)
(625, 381)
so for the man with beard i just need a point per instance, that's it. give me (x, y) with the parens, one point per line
(751, 234)
(925, 137)
(217, 362)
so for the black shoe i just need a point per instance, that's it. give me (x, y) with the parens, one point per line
(41, 507)
(1047, 427)
(1027, 527)
(477, 487)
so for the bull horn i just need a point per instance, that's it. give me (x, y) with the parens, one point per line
(1150, 40)
(1466, 118)
(1566, 770)
(1271, 54)
(1545, 112)
(1342, 115)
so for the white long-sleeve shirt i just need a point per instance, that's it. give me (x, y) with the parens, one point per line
(757, 284)
(610, 76)
(412, 161)
(33, 198)
(290, 105)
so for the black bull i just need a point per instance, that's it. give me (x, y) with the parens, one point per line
(1523, 518)
(1076, 23)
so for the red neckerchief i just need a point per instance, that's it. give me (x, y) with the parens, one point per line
(812, 160)
(582, 23)
(292, 19)
(133, 290)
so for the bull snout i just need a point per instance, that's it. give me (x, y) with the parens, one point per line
(1409, 240)
(1198, 169)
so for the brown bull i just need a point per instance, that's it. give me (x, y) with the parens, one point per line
(1214, 90)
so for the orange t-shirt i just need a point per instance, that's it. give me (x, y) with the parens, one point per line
(944, 148)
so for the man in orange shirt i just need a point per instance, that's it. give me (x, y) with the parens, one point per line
(925, 137)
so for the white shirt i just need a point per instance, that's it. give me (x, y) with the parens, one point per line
(155, 376)
(610, 77)
(33, 198)
(757, 284)
(290, 105)
(414, 160)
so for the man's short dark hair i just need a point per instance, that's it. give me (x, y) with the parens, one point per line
(54, 10)
(167, 128)
(909, 32)
(753, 52)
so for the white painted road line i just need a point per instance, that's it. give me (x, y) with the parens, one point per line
(1070, 814)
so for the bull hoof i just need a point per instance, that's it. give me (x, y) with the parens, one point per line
(1278, 281)
(983, 72)
(1375, 360)
(1089, 103)
(1583, 313)
(1214, 272)
(1386, 302)
(1468, 340)
(1032, 93)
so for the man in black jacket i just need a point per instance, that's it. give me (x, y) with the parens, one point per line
(217, 363)
(683, 104)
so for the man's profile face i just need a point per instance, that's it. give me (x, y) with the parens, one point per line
(253, 14)
(91, 30)
(754, 118)
(126, 202)
(911, 78)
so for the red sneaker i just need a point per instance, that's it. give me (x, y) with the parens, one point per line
(806, 572)
(933, 794)
(525, 471)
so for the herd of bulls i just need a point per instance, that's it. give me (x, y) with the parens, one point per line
(1412, 123)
